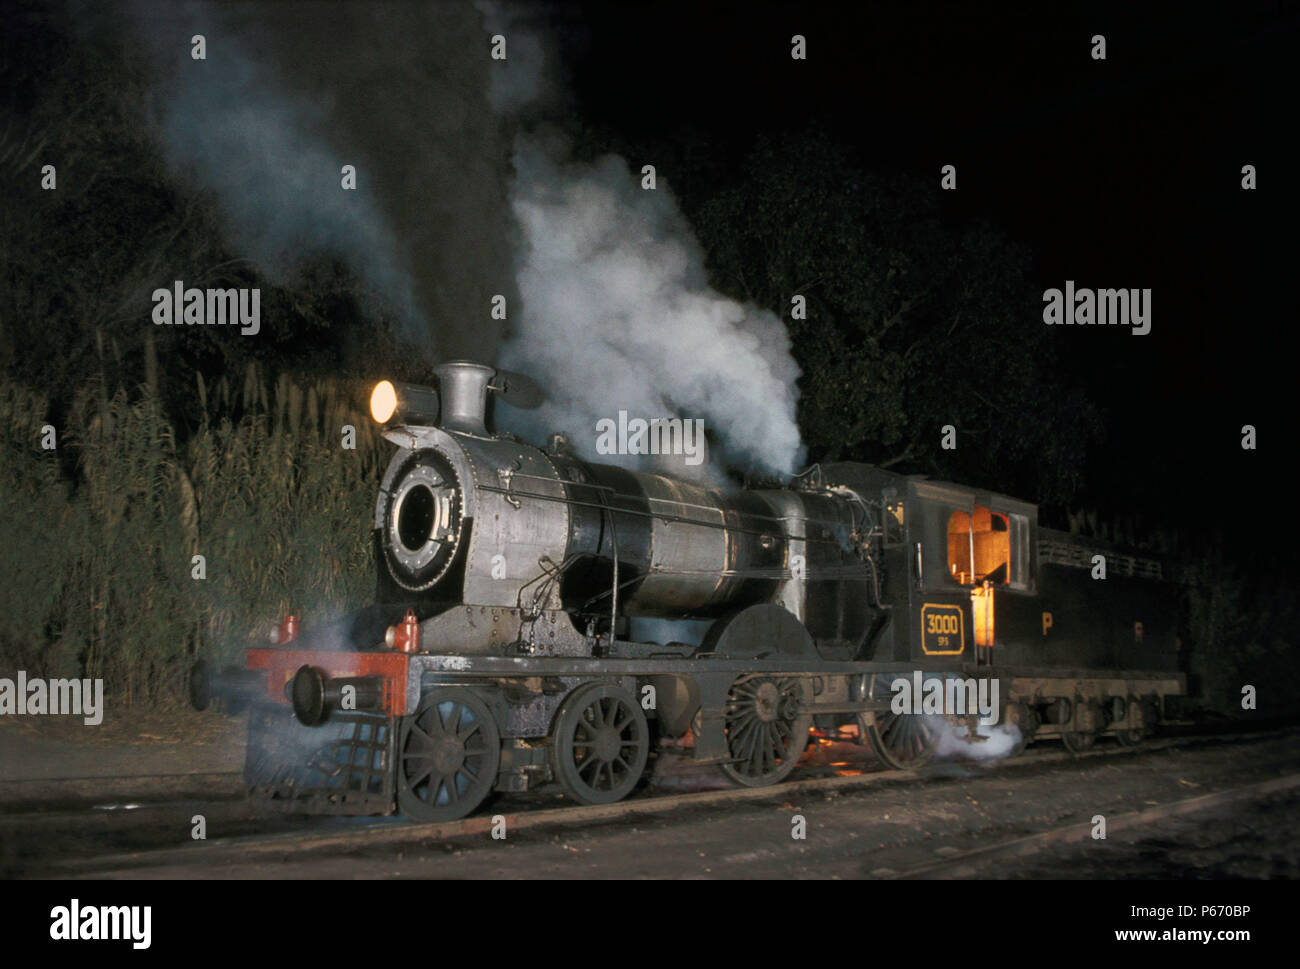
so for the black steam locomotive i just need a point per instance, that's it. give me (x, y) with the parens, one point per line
(498, 654)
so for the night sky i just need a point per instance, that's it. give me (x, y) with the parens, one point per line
(1119, 173)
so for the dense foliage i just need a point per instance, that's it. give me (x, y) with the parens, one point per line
(101, 575)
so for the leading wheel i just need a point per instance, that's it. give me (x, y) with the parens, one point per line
(766, 730)
(903, 740)
(600, 744)
(448, 753)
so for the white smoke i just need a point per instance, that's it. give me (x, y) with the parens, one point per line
(609, 305)
(617, 314)
(999, 741)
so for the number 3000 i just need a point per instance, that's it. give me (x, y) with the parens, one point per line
(942, 623)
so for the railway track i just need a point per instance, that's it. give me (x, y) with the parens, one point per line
(968, 863)
(357, 834)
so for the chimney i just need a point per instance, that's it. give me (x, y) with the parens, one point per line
(463, 386)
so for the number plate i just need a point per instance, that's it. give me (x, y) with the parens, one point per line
(943, 629)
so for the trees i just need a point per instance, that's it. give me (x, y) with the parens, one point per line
(79, 262)
(911, 323)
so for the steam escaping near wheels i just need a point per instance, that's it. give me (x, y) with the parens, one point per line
(989, 743)
(913, 740)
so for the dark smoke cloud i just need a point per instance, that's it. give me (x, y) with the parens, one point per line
(290, 92)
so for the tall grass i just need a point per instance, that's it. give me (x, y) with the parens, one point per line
(100, 534)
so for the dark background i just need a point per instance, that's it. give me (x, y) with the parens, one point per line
(1124, 172)
(1117, 173)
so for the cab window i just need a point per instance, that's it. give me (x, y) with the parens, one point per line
(979, 547)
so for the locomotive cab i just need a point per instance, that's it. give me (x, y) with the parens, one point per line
(972, 552)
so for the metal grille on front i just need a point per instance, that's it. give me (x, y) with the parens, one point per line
(341, 767)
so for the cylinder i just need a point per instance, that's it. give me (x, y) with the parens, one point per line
(314, 695)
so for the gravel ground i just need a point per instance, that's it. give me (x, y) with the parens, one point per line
(871, 832)
(47, 748)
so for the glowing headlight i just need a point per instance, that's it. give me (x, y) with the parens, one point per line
(406, 403)
(383, 402)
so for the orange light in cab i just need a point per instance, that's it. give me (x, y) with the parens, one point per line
(981, 601)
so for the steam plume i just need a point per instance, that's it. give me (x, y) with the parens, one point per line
(616, 310)
(291, 92)
(609, 305)
(617, 314)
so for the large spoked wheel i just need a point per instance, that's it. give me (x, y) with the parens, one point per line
(448, 753)
(1077, 742)
(600, 744)
(766, 728)
(903, 740)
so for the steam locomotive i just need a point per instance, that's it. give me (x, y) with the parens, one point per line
(499, 655)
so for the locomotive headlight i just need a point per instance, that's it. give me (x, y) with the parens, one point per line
(383, 402)
(407, 403)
